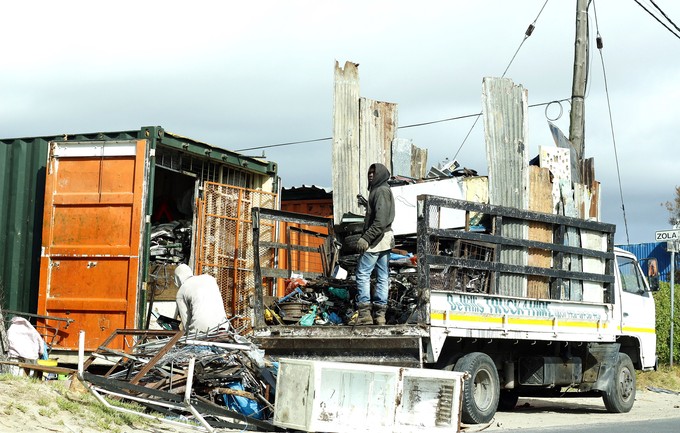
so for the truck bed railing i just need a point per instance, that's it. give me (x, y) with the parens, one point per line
(288, 243)
(484, 259)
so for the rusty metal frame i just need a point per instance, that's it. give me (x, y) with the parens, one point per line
(173, 337)
(44, 327)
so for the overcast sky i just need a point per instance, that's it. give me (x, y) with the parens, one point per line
(254, 73)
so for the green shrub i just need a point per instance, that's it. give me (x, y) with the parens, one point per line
(662, 300)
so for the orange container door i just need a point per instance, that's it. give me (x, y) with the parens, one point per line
(89, 268)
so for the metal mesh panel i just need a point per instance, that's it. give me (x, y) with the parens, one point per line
(225, 246)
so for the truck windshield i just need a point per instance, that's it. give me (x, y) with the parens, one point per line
(631, 278)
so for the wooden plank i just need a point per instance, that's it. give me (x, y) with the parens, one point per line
(540, 200)
(418, 162)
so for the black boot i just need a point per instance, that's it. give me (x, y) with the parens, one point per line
(364, 316)
(379, 311)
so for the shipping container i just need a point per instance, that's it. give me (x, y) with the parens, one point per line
(121, 210)
(22, 188)
(655, 250)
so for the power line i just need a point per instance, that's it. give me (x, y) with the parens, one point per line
(413, 125)
(527, 33)
(600, 45)
(664, 15)
(657, 18)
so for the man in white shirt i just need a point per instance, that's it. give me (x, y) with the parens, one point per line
(199, 301)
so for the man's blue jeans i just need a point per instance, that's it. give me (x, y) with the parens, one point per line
(380, 261)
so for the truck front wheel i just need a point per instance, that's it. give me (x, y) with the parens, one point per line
(620, 394)
(481, 389)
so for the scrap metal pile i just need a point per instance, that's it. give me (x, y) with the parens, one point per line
(329, 301)
(213, 381)
(171, 242)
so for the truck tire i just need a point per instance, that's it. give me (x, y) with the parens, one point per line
(620, 394)
(481, 389)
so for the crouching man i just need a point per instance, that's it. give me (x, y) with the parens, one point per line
(199, 301)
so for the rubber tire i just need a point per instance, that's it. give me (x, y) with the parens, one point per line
(481, 390)
(349, 244)
(507, 400)
(620, 394)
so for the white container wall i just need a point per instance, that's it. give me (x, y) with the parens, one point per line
(342, 397)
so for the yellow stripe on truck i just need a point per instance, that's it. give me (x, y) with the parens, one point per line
(513, 320)
(633, 330)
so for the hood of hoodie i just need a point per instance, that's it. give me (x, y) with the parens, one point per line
(380, 176)
(182, 273)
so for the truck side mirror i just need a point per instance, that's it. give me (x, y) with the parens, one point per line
(653, 274)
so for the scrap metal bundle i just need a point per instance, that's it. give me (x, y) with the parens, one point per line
(216, 380)
(171, 242)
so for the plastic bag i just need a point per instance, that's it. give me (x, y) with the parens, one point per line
(308, 319)
(240, 404)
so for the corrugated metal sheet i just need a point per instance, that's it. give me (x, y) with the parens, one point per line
(401, 156)
(345, 173)
(363, 131)
(506, 133)
(377, 128)
(658, 251)
(22, 188)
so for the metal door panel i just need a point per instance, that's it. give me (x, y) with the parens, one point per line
(94, 200)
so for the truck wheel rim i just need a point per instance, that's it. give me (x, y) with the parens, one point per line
(483, 389)
(626, 384)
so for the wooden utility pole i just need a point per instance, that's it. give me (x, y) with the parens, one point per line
(578, 90)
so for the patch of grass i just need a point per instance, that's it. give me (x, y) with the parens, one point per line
(116, 418)
(67, 405)
(666, 378)
(47, 413)
(21, 407)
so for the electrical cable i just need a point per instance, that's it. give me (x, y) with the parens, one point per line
(527, 33)
(657, 18)
(600, 45)
(664, 15)
(413, 125)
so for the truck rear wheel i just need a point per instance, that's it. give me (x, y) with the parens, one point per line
(620, 394)
(481, 389)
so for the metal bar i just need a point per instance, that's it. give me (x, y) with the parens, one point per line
(293, 217)
(509, 212)
(19, 313)
(257, 271)
(289, 247)
(517, 269)
(500, 240)
(152, 362)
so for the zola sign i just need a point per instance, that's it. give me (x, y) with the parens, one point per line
(668, 235)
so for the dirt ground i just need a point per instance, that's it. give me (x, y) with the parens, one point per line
(535, 413)
(28, 405)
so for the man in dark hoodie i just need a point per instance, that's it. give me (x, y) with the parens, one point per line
(374, 245)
